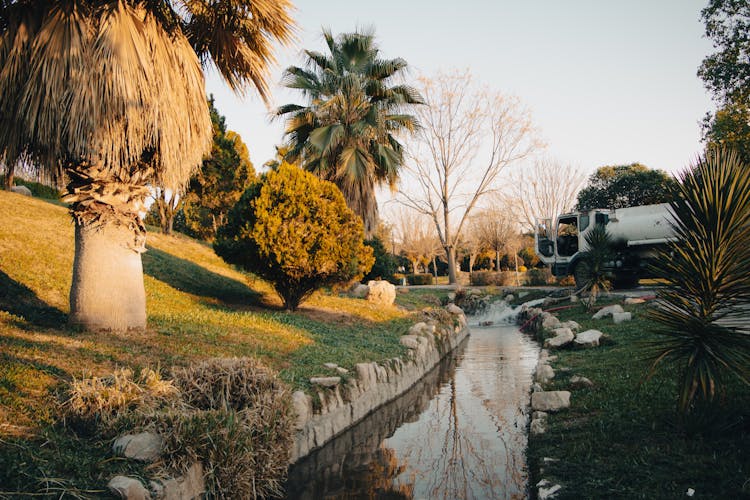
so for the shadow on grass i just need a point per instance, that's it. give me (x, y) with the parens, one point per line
(20, 300)
(188, 277)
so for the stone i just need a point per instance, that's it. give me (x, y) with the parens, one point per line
(578, 382)
(564, 338)
(589, 338)
(410, 341)
(545, 493)
(536, 387)
(342, 370)
(607, 311)
(544, 373)
(620, 317)
(186, 487)
(509, 298)
(550, 322)
(572, 325)
(128, 488)
(522, 294)
(538, 415)
(22, 190)
(454, 309)
(381, 292)
(574, 298)
(359, 291)
(486, 323)
(421, 328)
(537, 427)
(145, 446)
(332, 366)
(451, 296)
(550, 400)
(302, 404)
(634, 300)
(325, 381)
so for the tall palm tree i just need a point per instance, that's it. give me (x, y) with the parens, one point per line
(347, 133)
(111, 96)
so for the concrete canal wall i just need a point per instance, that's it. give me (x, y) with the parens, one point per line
(344, 401)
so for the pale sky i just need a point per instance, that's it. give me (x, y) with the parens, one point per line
(607, 81)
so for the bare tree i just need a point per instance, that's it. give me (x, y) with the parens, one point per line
(168, 202)
(545, 190)
(467, 138)
(471, 244)
(497, 230)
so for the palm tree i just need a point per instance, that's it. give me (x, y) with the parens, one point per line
(347, 132)
(702, 313)
(111, 96)
(590, 273)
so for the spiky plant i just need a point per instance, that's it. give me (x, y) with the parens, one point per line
(702, 313)
(590, 273)
(348, 131)
(111, 95)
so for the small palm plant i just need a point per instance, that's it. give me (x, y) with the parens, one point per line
(590, 273)
(707, 271)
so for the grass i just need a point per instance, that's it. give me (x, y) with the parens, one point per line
(198, 307)
(624, 438)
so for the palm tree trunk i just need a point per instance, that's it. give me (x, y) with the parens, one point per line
(107, 291)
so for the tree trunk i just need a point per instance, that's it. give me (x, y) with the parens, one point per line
(8, 181)
(107, 291)
(434, 268)
(451, 255)
(497, 261)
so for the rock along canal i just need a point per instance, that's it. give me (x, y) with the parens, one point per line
(460, 432)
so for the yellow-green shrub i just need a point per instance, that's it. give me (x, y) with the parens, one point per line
(296, 231)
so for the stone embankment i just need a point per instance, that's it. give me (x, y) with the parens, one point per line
(341, 402)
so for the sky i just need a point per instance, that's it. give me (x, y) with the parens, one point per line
(607, 82)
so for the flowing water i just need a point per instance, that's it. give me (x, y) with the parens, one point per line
(458, 433)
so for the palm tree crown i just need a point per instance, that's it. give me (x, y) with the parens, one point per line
(120, 83)
(347, 133)
(111, 94)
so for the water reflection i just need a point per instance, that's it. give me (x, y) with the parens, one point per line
(459, 433)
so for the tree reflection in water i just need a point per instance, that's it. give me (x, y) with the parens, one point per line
(458, 434)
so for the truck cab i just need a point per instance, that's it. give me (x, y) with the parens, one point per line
(559, 242)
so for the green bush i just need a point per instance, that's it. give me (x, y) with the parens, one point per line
(295, 231)
(398, 278)
(420, 279)
(484, 278)
(385, 263)
(538, 276)
(38, 190)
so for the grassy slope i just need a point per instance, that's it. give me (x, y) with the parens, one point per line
(623, 438)
(198, 307)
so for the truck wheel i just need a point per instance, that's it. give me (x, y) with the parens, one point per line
(582, 274)
(625, 280)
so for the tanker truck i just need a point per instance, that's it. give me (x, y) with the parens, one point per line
(636, 234)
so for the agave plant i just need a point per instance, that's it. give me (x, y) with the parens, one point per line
(702, 313)
(111, 95)
(590, 274)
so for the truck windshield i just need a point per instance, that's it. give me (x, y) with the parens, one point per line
(567, 236)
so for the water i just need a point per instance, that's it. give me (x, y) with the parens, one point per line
(459, 433)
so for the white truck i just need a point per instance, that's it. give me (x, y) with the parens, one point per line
(636, 233)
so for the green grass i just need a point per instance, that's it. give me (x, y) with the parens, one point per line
(624, 438)
(198, 307)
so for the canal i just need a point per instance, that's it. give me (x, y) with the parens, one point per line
(458, 433)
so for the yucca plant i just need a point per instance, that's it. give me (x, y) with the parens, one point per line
(590, 273)
(707, 270)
